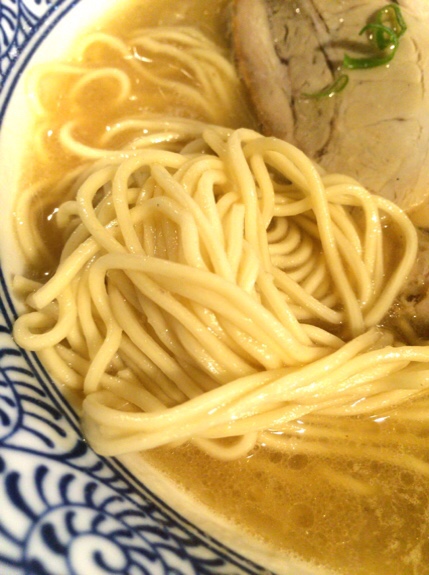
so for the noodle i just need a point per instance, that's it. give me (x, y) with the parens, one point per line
(223, 290)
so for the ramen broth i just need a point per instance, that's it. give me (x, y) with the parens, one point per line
(356, 516)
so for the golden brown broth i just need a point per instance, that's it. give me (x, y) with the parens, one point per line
(93, 112)
(355, 515)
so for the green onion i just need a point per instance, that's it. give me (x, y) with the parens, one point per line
(384, 32)
(394, 16)
(334, 88)
(390, 41)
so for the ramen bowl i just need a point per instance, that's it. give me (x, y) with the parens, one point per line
(64, 509)
(208, 343)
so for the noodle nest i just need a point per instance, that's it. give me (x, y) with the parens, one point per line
(217, 287)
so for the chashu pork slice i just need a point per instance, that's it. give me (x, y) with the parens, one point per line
(377, 129)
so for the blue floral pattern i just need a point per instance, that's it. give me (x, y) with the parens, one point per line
(63, 509)
(66, 511)
(18, 22)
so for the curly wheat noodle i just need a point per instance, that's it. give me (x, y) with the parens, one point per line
(149, 430)
(206, 312)
(214, 285)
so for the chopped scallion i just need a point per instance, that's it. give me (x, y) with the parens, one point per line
(334, 88)
(384, 32)
(393, 14)
(389, 40)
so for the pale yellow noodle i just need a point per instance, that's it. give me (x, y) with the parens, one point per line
(199, 297)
